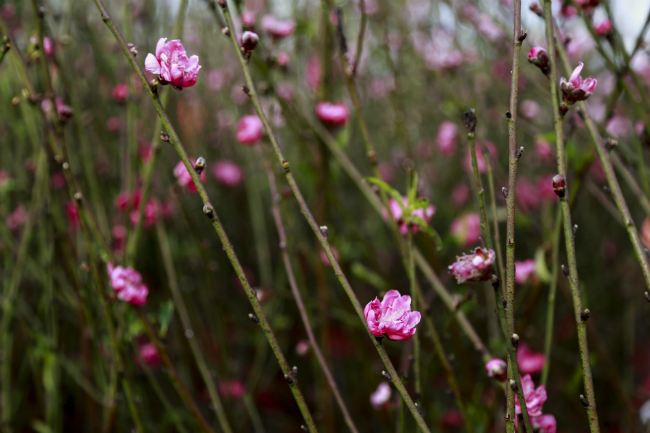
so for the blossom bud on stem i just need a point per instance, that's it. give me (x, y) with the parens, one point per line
(386, 375)
(288, 379)
(519, 153)
(208, 210)
(199, 166)
(254, 319)
(584, 401)
(610, 144)
(164, 137)
(559, 185)
(504, 190)
(469, 120)
(585, 315)
(515, 341)
(565, 271)
(324, 231)
(513, 385)
(647, 296)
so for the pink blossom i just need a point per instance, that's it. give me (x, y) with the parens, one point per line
(588, 5)
(57, 180)
(488, 28)
(466, 228)
(460, 195)
(425, 214)
(151, 212)
(575, 89)
(17, 218)
(167, 209)
(527, 196)
(249, 129)
(172, 65)
(392, 316)
(539, 57)
(543, 149)
(278, 28)
(530, 108)
(127, 282)
(284, 91)
(313, 72)
(248, 18)
(118, 233)
(604, 27)
(529, 362)
(121, 92)
(149, 354)
(302, 347)
(48, 46)
(545, 188)
(524, 271)
(535, 398)
(334, 114)
(183, 176)
(232, 389)
(446, 138)
(473, 267)
(568, 11)
(145, 151)
(282, 58)
(619, 126)
(497, 368)
(386, 171)
(228, 173)
(113, 124)
(381, 396)
(545, 424)
(72, 213)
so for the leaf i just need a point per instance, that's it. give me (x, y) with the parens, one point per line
(387, 188)
(426, 228)
(369, 276)
(413, 189)
(41, 427)
(165, 316)
(540, 267)
(49, 370)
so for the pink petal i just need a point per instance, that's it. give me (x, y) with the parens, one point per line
(389, 298)
(575, 78)
(414, 319)
(151, 64)
(159, 46)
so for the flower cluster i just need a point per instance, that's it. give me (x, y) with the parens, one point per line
(392, 317)
(473, 267)
(130, 202)
(172, 65)
(535, 398)
(576, 89)
(397, 211)
(127, 282)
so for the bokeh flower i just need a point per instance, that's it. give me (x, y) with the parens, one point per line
(529, 362)
(525, 270)
(425, 214)
(127, 282)
(228, 173)
(249, 129)
(381, 396)
(183, 176)
(544, 424)
(466, 229)
(332, 113)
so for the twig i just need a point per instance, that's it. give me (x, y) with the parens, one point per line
(550, 307)
(631, 182)
(493, 209)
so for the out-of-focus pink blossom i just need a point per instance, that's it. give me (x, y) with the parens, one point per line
(425, 214)
(172, 65)
(313, 73)
(497, 368)
(145, 151)
(604, 27)
(278, 28)
(644, 412)
(118, 233)
(386, 172)
(524, 271)
(529, 362)
(284, 90)
(381, 396)
(446, 138)
(543, 149)
(466, 229)
(218, 78)
(57, 180)
(228, 173)
(233, 389)
(575, 89)
(8, 11)
(151, 212)
(392, 317)
(645, 232)
(545, 188)
(332, 113)
(282, 58)
(473, 267)
(580, 45)
(530, 108)
(597, 172)
(16, 218)
(127, 282)
(48, 46)
(113, 124)
(249, 129)
(568, 11)
(72, 213)
(248, 18)
(370, 7)
(535, 397)
(545, 423)
(302, 347)
(168, 209)
(149, 354)
(183, 176)
(325, 260)
(480, 147)
(587, 5)
(460, 195)
(527, 196)
(121, 92)
(619, 126)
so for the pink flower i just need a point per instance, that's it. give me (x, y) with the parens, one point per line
(381, 396)
(460, 195)
(568, 11)
(474, 267)
(121, 92)
(545, 423)
(334, 114)
(17, 218)
(248, 18)
(543, 149)
(545, 188)
(72, 213)
(228, 173)
(313, 72)
(249, 129)
(149, 354)
(118, 233)
(392, 317)
(278, 28)
(604, 27)
(183, 176)
(127, 282)
(48, 46)
(232, 389)
(497, 368)
(527, 196)
(466, 228)
(172, 65)
(529, 362)
(525, 270)
(282, 58)
(446, 138)
(530, 108)
(619, 126)
(302, 347)
(113, 124)
(396, 211)
(539, 57)
(535, 398)
(575, 89)
(151, 211)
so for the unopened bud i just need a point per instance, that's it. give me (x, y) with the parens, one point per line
(132, 49)
(607, 190)
(515, 340)
(249, 40)
(522, 35)
(294, 372)
(15, 101)
(585, 315)
(199, 166)
(559, 185)
(513, 385)
(565, 271)
(164, 137)
(324, 231)
(225, 31)
(78, 197)
(536, 9)
(538, 56)
(575, 230)
(504, 190)
(65, 113)
(610, 144)
(647, 296)
(208, 210)
(254, 318)
(519, 152)
(564, 109)
(288, 379)
(304, 428)
(584, 401)
(386, 375)
(469, 120)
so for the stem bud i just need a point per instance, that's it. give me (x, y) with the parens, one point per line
(515, 341)
(78, 197)
(285, 166)
(610, 144)
(519, 152)
(324, 231)
(132, 49)
(513, 385)
(575, 230)
(469, 120)
(584, 316)
(564, 109)
(534, 7)
(584, 401)
(559, 185)
(386, 375)
(208, 210)
(294, 372)
(647, 296)
(565, 271)
(288, 379)
(504, 190)
(199, 166)
(164, 137)
(255, 320)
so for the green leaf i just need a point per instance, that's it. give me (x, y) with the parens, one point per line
(165, 316)
(540, 267)
(413, 189)
(49, 371)
(41, 427)
(426, 228)
(387, 188)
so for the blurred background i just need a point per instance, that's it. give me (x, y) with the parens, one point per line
(422, 64)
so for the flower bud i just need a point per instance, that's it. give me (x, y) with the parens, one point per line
(199, 165)
(249, 40)
(559, 185)
(539, 57)
(469, 120)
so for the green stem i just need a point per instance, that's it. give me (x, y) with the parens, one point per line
(179, 303)
(631, 182)
(410, 270)
(209, 210)
(568, 227)
(550, 309)
(493, 209)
